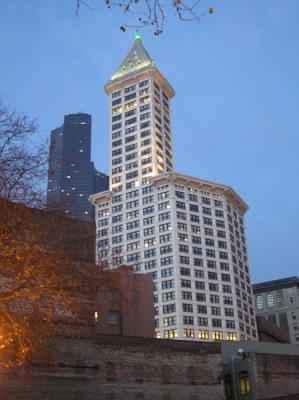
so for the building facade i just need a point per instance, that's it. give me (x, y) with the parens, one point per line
(120, 310)
(278, 302)
(269, 332)
(72, 177)
(187, 232)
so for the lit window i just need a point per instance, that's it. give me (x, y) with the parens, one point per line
(244, 383)
(189, 333)
(170, 334)
(217, 335)
(203, 334)
(231, 336)
(96, 316)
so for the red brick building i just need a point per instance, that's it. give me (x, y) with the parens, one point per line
(127, 308)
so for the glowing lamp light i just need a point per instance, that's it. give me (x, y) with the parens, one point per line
(138, 37)
(2, 342)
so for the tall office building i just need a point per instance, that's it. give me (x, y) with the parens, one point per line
(187, 232)
(72, 177)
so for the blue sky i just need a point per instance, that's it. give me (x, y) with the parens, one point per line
(235, 115)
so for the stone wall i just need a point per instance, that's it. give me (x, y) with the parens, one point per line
(114, 368)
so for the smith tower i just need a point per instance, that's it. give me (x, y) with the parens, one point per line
(140, 130)
(185, 231)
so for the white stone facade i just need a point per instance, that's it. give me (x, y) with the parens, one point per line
(187, 232)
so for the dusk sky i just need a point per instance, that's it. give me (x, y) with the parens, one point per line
(235, 116)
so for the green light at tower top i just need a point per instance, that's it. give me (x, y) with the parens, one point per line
(137, 37)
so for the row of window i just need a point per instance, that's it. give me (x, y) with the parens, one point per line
(270, 300)
(183, 248)
(165, 194)
(201, 321)
(132, 141)
(195, 198)
(130, 88)
(186, 260)
(217, 203)
(195, 208)
(130, 109)
(200, 334)
(166, 215)
(131, 121)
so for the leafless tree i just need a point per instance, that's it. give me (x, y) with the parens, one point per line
(23, 158)
(155, 12)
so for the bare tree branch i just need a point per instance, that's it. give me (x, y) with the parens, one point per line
(155, 12)
(23, 158)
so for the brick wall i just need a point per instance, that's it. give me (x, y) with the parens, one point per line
(114, 368)
(278, 375)
(131, 310)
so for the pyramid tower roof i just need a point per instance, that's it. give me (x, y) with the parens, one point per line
(137, 61)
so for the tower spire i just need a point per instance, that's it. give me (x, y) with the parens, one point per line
(137, 59)
(138, 37)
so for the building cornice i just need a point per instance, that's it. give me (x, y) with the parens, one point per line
(277, 284)
(100, 197)
(203, 185)
(143, 73)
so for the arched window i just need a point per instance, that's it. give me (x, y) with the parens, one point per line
(259, 302)
(270, 299)
(279, 298)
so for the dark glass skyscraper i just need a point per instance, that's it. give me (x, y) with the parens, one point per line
(72, 176)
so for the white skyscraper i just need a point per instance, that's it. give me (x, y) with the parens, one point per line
(187, 232)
